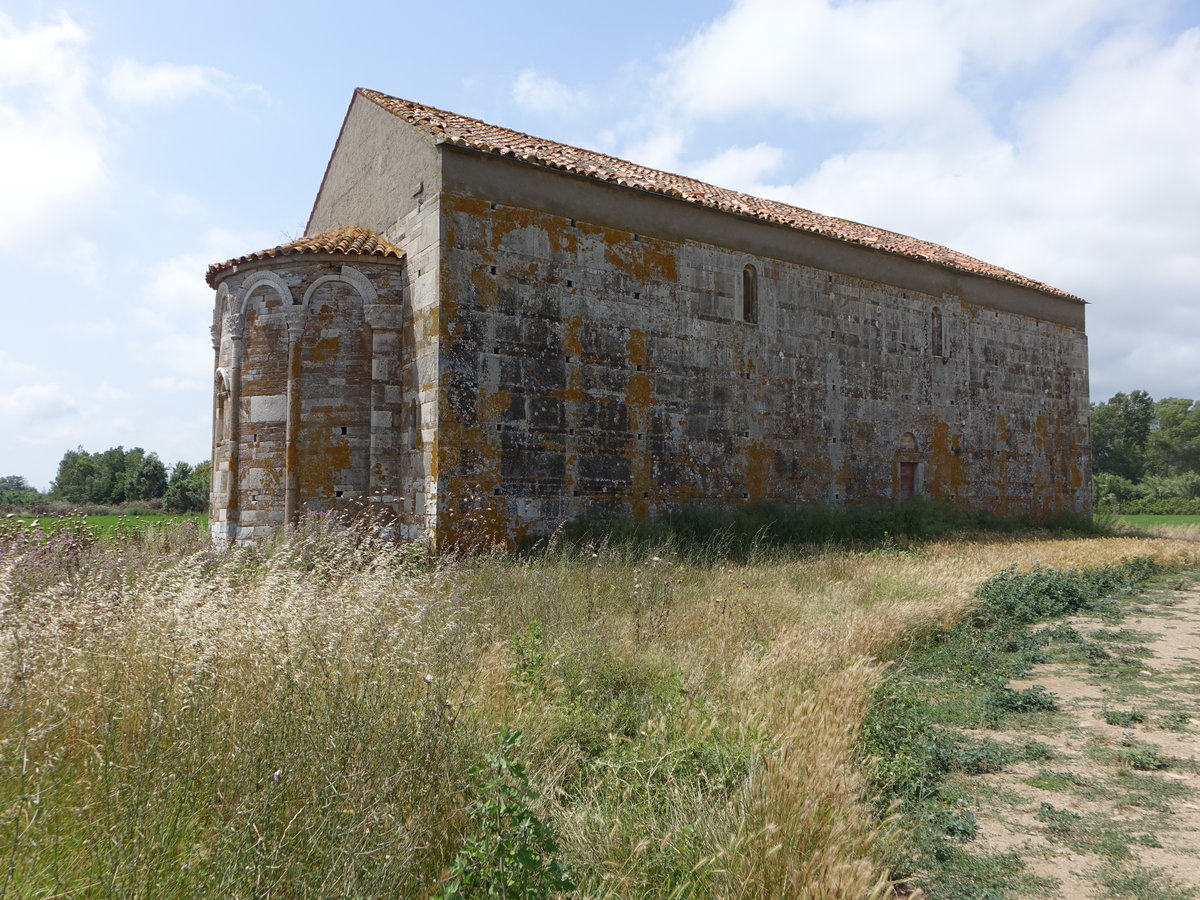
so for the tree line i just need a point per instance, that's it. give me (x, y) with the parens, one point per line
(1146, 454)
(114, 477)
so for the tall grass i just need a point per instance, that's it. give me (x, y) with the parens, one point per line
(314, 718)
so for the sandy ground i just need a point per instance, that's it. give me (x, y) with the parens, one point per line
(1091, 758)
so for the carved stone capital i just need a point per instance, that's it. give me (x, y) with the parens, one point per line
(233, 326)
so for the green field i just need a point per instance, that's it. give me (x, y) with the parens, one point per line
(1153, 521)
(129, 523)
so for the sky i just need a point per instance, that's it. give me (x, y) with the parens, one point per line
(141, 142)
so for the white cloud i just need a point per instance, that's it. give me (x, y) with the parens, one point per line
(164, 84)
(741, 168)
(1055, 137)
(13, 368)
(175, 310)
(52, 137)
(542, 93)
(883, 61)
(661, 146)
(34, 402)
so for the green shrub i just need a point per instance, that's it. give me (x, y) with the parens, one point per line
(906, 753)
(1176, 721)
(1031, 699)
(1124, 718)
(1143, 757)
(982, 756)
(512, 854)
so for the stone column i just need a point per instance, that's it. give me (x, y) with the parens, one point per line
(291, 448)
(233, 328)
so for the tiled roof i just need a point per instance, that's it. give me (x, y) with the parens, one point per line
(346, 241)
(477, 135)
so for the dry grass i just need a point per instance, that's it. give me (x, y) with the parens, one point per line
(301, 720)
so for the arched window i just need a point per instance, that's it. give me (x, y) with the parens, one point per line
(749, 294)
(937, 344)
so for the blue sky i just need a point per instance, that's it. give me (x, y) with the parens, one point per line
(140, 142)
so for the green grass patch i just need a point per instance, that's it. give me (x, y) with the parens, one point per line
(1141, 883)
(112, 525)
(742, 532)
(1147, 521)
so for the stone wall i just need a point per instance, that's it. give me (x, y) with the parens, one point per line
(587, 368)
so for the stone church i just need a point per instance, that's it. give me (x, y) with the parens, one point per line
(490, 331)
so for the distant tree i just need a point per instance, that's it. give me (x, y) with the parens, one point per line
(1174, 444)
(16, 491)
(187, 490)
(78, 477)
(1120, 432)
(146, 480)
(112, 476)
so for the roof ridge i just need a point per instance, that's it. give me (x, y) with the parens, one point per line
(476, 134)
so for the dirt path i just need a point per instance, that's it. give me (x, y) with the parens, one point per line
(1114, 808)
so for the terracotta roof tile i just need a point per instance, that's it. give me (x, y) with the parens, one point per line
(476, 135)
(346, 241)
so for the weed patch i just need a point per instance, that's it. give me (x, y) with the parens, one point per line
(1123, 718)
(957, 677)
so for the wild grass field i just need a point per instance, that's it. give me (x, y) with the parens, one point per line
(334, 715)
(114, 524)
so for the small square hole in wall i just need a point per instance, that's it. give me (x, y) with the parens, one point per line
(745, 496)
(745, 434)
(343, 429)
(645, 495)
(496, 492)
(492, 270)
(496, 350)
(254, 438)
(339, 493)
(837, 496)
(639, 368)
(572, 223)
(637, 295)
(491, 206)
(499, 426)
(636, 238)
(254, 498)
(640, 435)
(570, 283)
(575, 493)
(571, 431)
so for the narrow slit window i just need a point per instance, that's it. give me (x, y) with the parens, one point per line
(749, 294)
(414, 438)
(937, 340)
